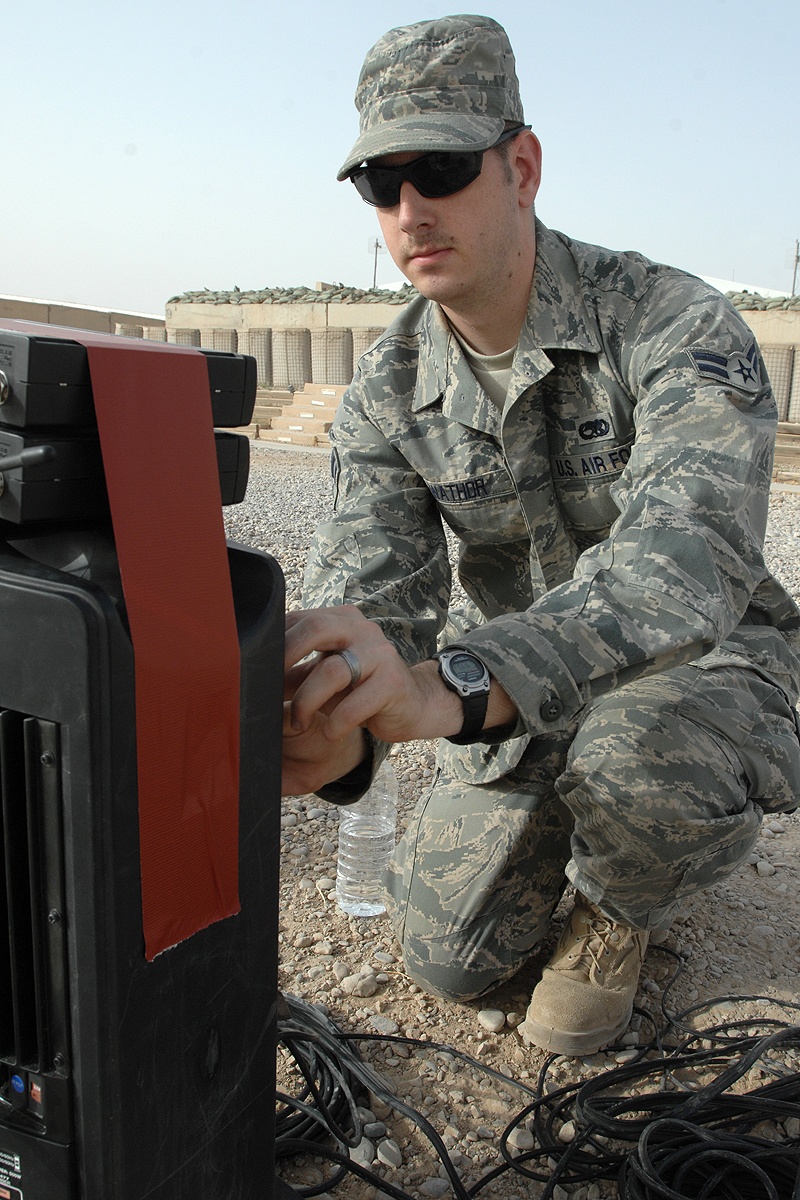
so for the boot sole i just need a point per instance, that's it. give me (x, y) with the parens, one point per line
(571, 1044)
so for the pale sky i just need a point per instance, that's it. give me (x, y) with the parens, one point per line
(151, 148)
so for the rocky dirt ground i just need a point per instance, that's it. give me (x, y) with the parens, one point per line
(740, 939)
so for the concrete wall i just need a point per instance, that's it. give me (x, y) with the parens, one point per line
(777, 331)
(74, 316)
(775, 326)
(278, 316)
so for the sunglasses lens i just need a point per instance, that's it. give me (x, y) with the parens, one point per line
(434, 175)
(378, 186)
(443, 174)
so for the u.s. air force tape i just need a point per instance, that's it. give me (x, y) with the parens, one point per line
(591, 463)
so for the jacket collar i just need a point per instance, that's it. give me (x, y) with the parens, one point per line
(557, 314)
(557, 319)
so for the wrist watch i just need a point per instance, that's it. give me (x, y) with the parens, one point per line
(466, 675)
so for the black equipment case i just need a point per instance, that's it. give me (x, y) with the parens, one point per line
(120, 1079)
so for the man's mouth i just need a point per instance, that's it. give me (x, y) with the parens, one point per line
(428, 254)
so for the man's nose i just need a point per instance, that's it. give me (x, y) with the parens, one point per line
(414, 209)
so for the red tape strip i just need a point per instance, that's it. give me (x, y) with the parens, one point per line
(156, 433)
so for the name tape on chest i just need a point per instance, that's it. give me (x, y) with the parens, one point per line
(462, 491)
(740, 370)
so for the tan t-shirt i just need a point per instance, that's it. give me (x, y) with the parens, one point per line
(492, 371)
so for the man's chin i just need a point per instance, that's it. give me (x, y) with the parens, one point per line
(439, 291)
(430, 283)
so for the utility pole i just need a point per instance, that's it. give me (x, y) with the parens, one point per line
(375, 246)
(796, 261)
(378, 247)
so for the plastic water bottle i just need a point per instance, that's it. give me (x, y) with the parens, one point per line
(366, 841)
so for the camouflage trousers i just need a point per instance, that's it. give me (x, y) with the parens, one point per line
(656, 792)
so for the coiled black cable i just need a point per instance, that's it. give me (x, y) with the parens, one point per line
(670, 1141)
(319, 1047)
(675, 1158)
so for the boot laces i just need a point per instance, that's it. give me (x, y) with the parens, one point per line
(599, 938)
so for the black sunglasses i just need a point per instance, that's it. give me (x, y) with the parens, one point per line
(440, 173)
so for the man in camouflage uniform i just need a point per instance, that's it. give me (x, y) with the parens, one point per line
(597, 432)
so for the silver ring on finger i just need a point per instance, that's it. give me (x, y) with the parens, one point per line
(352, 661)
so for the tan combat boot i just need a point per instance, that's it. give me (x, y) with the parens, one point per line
(585, 997)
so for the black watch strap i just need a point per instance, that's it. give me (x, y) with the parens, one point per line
(474, 716)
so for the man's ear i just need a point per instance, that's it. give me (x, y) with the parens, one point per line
(526, 160)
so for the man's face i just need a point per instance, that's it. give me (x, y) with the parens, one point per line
(458, 250)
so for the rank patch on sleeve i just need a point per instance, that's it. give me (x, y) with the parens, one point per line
(740, 370)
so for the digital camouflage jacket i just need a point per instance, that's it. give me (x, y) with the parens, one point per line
(610, 520)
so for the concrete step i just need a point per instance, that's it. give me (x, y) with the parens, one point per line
(273, 395)
(252, 431)
(787, 450)
(264, 432)
(308, 412)
(264, 413)
(293, 439)
(290, 423)
(788, 438)
(325, 393)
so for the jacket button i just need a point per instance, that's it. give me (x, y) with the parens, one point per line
(552, 709)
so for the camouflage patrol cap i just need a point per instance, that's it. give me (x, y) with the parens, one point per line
(449, 84)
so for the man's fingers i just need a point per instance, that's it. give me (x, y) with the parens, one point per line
(351, 710)
(380, 703)
(356, 677)
(329, 677)
(327, 631)
(311, 758)
(294, 677)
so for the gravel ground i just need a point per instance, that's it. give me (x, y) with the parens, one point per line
(739, 939)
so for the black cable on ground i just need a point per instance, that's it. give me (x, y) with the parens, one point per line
(642, 1123)
(315, 1037)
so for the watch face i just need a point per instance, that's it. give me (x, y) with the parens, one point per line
(466, 668)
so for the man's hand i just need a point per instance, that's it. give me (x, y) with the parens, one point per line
(326, 710)
(395, 702)
(310, 760)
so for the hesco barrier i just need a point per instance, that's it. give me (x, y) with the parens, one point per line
(363, 339)
(224, 339)
(187, 337)
(331, 356)
(317, 336)
(779, 362)
(258, 343)
(291, 357)
(793, 413)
